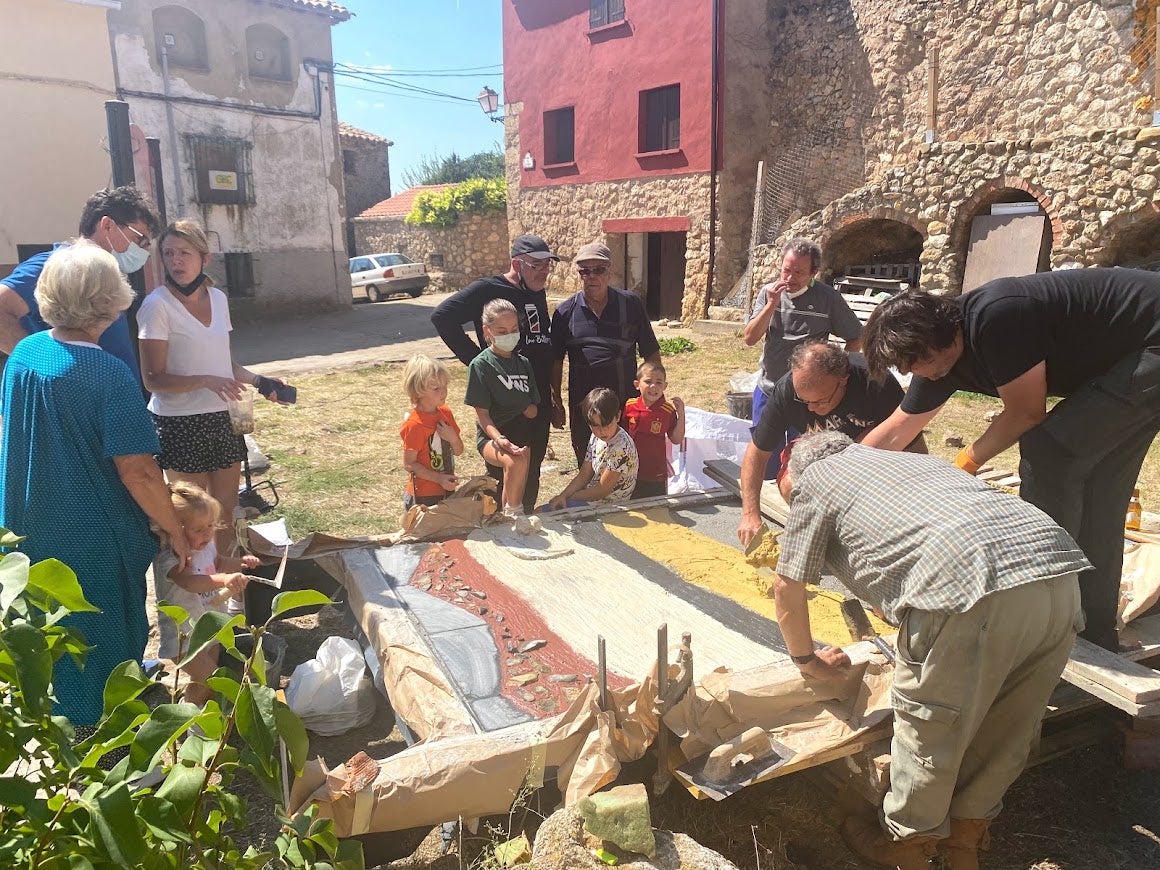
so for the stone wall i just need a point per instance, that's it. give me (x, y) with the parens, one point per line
(1099, 191)
(573, 215)
(476, 246)
(849, 81)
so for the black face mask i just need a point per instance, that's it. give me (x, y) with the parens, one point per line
(186, 289)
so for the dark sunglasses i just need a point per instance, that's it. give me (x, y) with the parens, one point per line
(595, 270)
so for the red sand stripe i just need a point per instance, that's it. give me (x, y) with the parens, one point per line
(449, 569)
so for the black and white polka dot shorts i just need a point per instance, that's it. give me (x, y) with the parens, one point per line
(198, 443)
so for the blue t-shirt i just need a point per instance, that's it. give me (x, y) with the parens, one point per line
(116, 339)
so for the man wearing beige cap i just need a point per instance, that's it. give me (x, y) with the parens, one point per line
(600, 330)
(523, 286)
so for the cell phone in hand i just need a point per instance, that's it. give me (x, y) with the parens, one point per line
(284, 393)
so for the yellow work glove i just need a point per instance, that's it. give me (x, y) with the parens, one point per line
(964, 461)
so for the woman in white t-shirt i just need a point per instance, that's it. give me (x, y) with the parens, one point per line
(184, 331)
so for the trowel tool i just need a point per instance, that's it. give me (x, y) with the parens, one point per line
(756, 540)
(860, 628)
(223, 594)
(748, 758)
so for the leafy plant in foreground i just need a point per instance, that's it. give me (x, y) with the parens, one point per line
(59, 809)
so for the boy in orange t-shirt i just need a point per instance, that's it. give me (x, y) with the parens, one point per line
(430, 434)
(650, 418)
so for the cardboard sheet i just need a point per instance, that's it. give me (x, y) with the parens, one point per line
(1140, 580)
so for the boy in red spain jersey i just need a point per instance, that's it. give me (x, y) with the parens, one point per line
(650, 418)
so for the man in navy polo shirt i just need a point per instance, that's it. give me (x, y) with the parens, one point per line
(600, 329)
(122, 222)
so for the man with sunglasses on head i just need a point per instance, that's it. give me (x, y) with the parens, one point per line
(523, 286)
(121, 221)
(825, 389)
(600, 329)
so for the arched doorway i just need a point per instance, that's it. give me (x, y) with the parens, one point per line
(873, 248)
(1004, 233)
(1136, 245)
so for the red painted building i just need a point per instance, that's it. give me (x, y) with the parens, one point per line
(609, 114)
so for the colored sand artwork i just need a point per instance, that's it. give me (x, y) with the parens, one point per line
(708, 563)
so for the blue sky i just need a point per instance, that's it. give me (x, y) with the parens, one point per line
(394, 36)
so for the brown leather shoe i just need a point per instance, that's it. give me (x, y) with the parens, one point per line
(961, 849)
(869, 842)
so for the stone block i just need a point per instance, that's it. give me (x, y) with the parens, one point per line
(621, 816)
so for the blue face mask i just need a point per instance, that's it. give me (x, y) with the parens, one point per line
(132, 258)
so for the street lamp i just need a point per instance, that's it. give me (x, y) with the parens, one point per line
(489, 102)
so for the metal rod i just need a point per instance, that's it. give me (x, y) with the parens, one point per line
(602, 671)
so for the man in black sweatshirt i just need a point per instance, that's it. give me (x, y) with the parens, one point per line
(523, 286)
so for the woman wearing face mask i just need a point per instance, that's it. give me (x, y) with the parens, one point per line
(184, 331)
(502, 388)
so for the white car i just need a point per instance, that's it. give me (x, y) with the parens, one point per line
(377, 276)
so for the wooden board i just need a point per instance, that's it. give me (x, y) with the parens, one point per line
(1130, 680)
(728, 474)
(1003, 246)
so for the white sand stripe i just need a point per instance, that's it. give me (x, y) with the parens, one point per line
(587, 593)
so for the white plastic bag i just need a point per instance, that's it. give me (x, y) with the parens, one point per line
(744, 382)
(332, 693)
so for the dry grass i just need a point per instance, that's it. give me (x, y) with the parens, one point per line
(338, 465)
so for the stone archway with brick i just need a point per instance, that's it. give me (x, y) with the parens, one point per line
(1093, 187)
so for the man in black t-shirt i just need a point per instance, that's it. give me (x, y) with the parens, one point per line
(1089, 335)
(523, 286)
(824, 389)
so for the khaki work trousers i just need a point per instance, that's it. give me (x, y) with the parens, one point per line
(969, 694)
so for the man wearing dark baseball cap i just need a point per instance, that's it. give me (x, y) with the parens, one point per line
(522, 285)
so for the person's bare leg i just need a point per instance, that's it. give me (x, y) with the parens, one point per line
(223, 485)
(515, 478)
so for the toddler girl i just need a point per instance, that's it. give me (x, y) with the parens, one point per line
(199, 588)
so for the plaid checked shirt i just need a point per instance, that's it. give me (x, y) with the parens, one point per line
(902, 530)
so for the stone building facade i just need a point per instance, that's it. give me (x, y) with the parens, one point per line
(1037, 101)
(366, 173)
(51, 71)
(612, 127)
(241, 97)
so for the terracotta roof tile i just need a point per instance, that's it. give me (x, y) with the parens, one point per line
(325, 7)
(399, 204)
(345, 129)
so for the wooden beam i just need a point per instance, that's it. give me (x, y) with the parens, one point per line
(932, 91)
(1129, 680)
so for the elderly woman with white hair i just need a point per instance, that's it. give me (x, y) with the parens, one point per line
(79, 476)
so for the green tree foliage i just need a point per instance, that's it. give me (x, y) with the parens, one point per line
(442, 208)
(58, 809)
(453, 168)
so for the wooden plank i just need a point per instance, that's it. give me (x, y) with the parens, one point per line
(728, 474)
(1128, 679)
(676, 502)
(992, 474)
(1151, 708)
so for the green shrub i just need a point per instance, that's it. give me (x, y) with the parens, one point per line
(58, 809)
(672, 346)
(442, 208)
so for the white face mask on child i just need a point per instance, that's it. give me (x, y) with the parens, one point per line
(506, 343)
